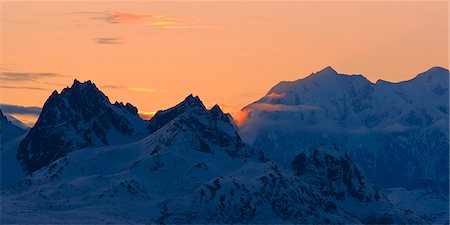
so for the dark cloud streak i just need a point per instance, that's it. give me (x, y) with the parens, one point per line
(24, 87)
(109, 41)
(16, 76)
(107, 86)
(18, 109)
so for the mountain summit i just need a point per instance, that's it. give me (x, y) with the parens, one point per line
(206, 130)
(393, 130)
(80, 116)
(327, 71)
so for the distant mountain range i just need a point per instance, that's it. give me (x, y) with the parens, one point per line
(312, 151)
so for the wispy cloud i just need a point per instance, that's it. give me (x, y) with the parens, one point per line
(107, 86)
(16, 76)
(108, 41)
(120, 17)
(240, 117)
(141, 89)
(139, 18)
(137, 89)
(164, 21)
(280, 107)
(24, 87)
(274, 95)
(18, 109)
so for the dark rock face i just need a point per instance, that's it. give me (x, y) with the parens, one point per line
(335, 173)
(128, 107)
(81, 116)
(299, 164)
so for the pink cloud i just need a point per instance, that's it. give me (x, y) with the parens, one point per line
(274, 95)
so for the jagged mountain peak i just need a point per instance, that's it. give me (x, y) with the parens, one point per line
(189, 104)
(85, 86)
(128, 107)
(217, 111)
(86, 89)
(76, 82)
(216, 108)
(327, 71)
(205, 130)
(83, 97)
(192, 101)
(80, 116)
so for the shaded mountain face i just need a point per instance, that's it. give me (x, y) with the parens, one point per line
(194, 168)
(207, 126)
(325, 187)
(398, 132)
(334, 172)
(9, 130)
(80, 116)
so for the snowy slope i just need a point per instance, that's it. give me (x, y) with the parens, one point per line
(9, 130)
(323, 188)
(194, 168)
(10, 167)
(17, 122)
(11, 135)
(398, 132)
(80, 116)
(427, 204)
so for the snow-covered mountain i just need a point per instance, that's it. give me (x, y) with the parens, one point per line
(79, 117)
(325, 187)
(398, 132)
(9, 130)
(194, 168)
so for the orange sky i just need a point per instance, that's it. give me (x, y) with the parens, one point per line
(153, 54)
